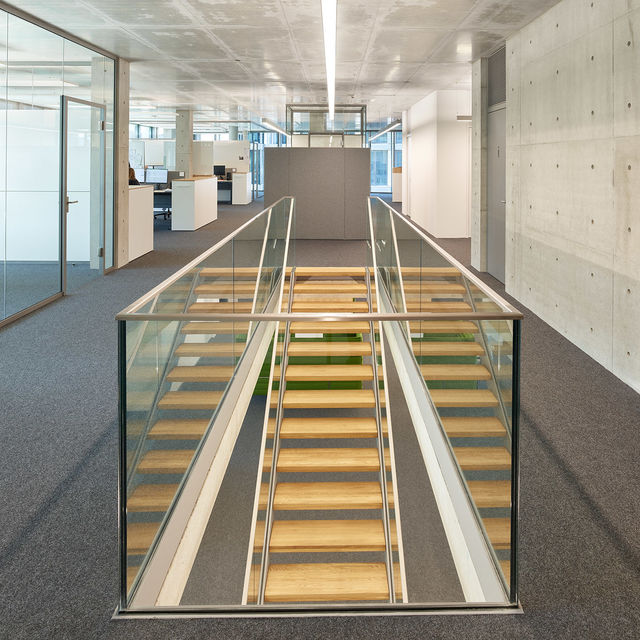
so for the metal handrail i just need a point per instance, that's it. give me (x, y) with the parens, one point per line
(275, 447)
(383, 467)
(501, 302)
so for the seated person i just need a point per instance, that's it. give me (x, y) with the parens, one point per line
(132, 177)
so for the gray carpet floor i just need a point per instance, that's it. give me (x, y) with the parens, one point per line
(580, 495)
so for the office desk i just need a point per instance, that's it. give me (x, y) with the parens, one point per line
(162, 200)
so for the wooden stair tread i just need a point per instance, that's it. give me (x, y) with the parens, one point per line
(293, 496)
(489, 494)
(140, 535)
(499, 532)
(438, 307)
(329, 305)
(234, 272)
(214, 328)
(307, 428)
(329, 286)
(455, 372)
(442, 326)
(438, 348)
(327, 459)
(329, 349)
(330, 327)
(309, 536)
(473, 427)
(434, 272)
(151, 497)
(210, 349)
(222, 288)
(328, 582)
(326, 398)
(483, 458)
(166, 461)
(220, 307)
(463, 398)
(433, 286)
(200, 373)
(191, 400)
(326, 372)
(178, 429)
(333, 272)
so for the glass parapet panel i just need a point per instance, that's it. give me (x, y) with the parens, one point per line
(174, 387)
(386, 253)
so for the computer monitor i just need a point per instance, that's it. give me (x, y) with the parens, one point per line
(139, 175)
(156, 176)
(219, 170)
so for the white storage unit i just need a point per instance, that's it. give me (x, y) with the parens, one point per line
(241, 188)
(396, 185)
(194, 203)
(140, 220)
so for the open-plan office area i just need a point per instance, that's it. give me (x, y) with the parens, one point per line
(320, 412)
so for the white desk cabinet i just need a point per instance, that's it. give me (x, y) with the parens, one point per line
(140, 220)
(194, 203)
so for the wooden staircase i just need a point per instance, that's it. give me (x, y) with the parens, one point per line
(328, 471)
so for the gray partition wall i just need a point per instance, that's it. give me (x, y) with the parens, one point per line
(330, 186)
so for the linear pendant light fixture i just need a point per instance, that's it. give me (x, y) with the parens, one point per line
(389, 127)
(272, 125)
(329, 26)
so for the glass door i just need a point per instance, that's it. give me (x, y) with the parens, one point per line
(83, 192)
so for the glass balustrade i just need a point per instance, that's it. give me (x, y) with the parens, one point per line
(343, 447)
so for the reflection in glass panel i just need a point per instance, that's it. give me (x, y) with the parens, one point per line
(34, 85)
(37, 68)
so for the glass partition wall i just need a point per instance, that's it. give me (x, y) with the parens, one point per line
(38, 70)
(319, 438)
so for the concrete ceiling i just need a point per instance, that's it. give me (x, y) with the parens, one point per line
(249, 58)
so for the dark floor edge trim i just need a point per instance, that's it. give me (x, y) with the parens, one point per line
(119, 615)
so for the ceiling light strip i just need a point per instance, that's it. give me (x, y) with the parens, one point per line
(329, 26)
(272, 125)
(389, 127)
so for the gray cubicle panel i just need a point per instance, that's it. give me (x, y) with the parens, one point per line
(330, 186)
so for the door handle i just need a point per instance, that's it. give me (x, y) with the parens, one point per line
(503, 202)
(68, 202)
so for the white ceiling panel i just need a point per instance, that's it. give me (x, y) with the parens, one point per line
(266, 14)
(415, 45)
(182, 44)
(255, 56)
(256, 43)
(143, 12)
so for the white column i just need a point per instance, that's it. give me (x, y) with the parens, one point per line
(122, 172)
(184, 142)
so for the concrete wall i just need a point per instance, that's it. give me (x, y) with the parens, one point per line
(479, 102)
(573, 176)
(438, 163)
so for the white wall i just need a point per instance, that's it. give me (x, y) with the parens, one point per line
(233, 154)
(573, 176)
(438, 163)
